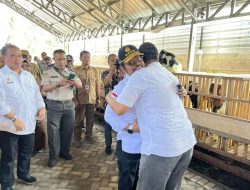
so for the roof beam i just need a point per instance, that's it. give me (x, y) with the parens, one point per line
(108, 6)
(185, 6)
(99, 7)
(241, 9)
(32, 17)
(150, 6)
(87, 11)
(63, 17)
(219, 9)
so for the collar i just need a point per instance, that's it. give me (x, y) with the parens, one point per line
(57, 69)
(154, 64)
(127, 76)
(6, 69)
(83, 68)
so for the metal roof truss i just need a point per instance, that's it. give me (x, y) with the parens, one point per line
(32, 17)
(164, 20)
(190, 12)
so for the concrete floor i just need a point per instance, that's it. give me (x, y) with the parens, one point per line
(91, 169)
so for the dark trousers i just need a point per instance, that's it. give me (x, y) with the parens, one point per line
(108, 134)
(128, 166)
(60, 122)
(11, 144)
(40, 137)
(87, 110)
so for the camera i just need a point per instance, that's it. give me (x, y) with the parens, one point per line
(118, 64)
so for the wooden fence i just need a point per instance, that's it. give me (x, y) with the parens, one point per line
(225, 132)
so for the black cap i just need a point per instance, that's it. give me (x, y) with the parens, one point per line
(69, 57)
(128, 52)
(149, 51)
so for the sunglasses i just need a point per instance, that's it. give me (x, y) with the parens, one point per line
(134, 61)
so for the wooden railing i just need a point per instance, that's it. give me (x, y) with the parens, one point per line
(225, 132)
(228, 132)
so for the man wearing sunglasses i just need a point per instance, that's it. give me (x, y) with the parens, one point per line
(166, 132)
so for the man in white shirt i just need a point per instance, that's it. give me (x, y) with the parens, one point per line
(21, 104)
(128, 147)
(166, 132)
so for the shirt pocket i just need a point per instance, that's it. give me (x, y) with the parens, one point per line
(13, 90)
(29, 87)
(54, 79)
(92, 79)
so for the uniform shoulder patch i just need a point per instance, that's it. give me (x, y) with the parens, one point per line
(48, 68)
(45, 75)
(77, 67)
(70, 69)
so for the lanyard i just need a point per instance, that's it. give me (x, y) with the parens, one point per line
(59, 72)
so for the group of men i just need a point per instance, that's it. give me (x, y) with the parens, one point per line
(67, 91)
(154, 136)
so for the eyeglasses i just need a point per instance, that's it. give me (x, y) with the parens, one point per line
(134, 61)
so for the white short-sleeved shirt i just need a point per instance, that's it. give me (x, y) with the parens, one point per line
(164, 126)
(131, 143)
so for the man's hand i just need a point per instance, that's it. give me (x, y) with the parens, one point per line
(64, 82)
(109, 95)
(136, 128)
(112, 69)
(19, 125)
(74, 83)
(41, 114)
(76, 104)
(97, 102)
(44, 94)
(182, 92)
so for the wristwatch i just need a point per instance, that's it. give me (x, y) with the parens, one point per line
(13, 119)
(130, 129)
(58, 86)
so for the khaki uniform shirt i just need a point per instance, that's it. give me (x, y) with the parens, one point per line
(1, 66)
(34, 69)
(53, 77)
(89, 78)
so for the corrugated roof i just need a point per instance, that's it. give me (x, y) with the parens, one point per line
(78, 15)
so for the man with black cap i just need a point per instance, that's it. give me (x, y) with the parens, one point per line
(166, 132)
(128, 137)
(70, 61)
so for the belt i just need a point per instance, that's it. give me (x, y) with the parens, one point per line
(62, 101)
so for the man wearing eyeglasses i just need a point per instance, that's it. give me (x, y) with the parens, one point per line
(128, 137)
(166, 132)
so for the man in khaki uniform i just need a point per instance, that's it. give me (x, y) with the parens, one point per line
(1, 60)
(34, 69)
(58, 82)
(86, 98)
